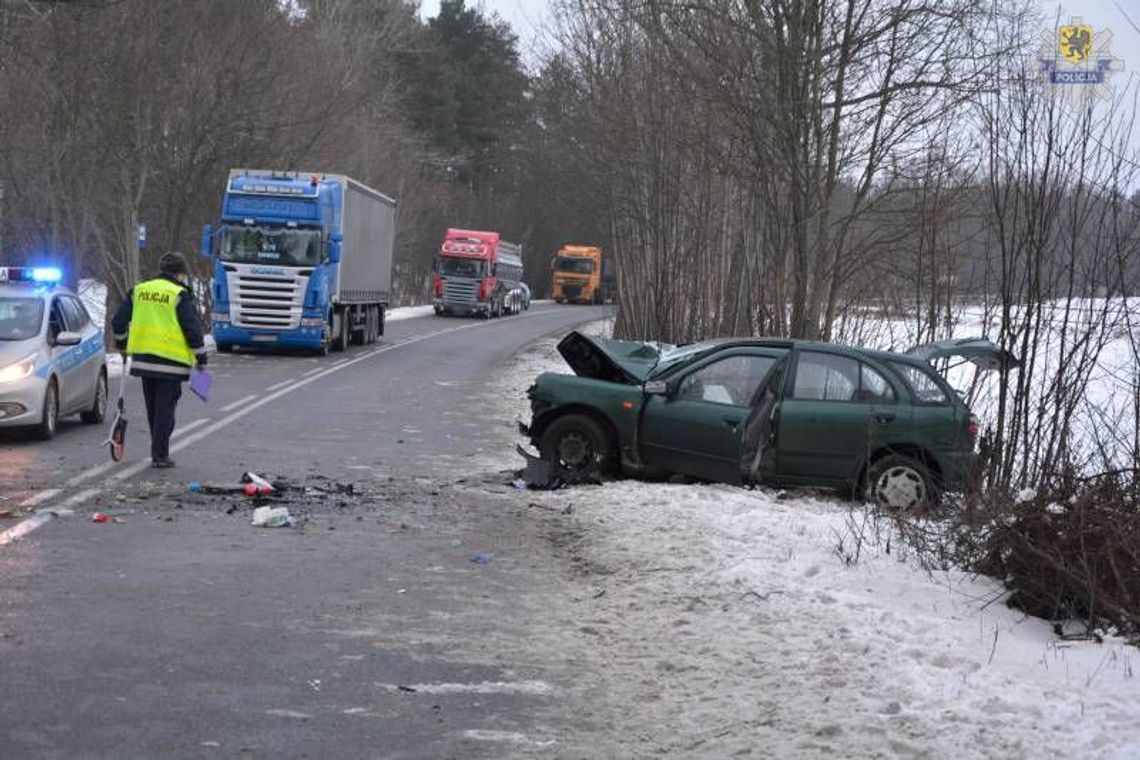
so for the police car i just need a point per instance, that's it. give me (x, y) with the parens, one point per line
(52, 362)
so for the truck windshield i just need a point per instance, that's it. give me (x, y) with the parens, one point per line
(575, 266)
(20, 318)
(456, 267)
(271, 245)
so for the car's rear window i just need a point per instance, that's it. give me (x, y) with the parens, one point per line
(922, 383)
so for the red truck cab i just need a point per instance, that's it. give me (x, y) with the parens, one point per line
(477, 274)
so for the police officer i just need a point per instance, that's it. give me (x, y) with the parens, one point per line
(157, 324)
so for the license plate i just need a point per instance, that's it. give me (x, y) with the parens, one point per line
(264, 338)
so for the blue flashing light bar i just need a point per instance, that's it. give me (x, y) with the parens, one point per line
(47, 274)
(44, 275)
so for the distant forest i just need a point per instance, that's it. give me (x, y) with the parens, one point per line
(751, 168)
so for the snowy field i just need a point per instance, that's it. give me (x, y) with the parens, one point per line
(729, 624)
(1105, 414)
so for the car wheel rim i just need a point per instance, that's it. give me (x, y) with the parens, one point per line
(575, 450)
(900, 488)
(101, 397)
(50, 411)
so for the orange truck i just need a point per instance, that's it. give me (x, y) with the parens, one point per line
(577, 272)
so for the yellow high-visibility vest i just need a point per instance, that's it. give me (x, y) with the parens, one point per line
(154, 322)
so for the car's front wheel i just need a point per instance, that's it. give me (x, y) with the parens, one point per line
(899, 482)
(578, 443)
(98, 409)
(50, 417)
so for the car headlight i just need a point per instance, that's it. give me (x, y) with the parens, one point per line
(18, 370)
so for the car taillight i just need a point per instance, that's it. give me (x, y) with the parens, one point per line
(438, 286)
(972, 426)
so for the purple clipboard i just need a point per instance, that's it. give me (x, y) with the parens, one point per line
(200, 382)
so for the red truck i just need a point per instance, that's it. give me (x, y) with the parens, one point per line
(478, 273)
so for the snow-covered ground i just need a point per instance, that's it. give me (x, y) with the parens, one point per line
(729, 624)
(408, 312)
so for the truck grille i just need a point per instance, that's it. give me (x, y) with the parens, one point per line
(266, 301)
(572, 291)
(460, 290)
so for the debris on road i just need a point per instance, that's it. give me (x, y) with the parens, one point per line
(481, 559)
(305, 496)
(272, 517)
(544, 475)
(261, 486)
(215, 488)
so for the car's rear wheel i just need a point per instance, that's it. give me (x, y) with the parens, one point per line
(225, 348)
(579, 444)
(49, 419)
(98, 410)
(899, 482)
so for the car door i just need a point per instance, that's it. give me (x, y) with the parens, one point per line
(85, 361)
(57, 323)
(835, 410)
(696, 428)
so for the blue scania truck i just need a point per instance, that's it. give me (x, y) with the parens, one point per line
(301, 261)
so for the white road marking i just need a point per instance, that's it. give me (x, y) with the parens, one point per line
(40, 497)
(315, 370)
(281, 384)
(190, 426)
(100, 469)
(82, 496)
(44, 516)
(25, 527)
(238, 403)
(514, 737)
(285, 713)
(485, 687)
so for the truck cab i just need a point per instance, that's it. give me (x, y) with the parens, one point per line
(577, 275)
(477, 274)
(301, 260)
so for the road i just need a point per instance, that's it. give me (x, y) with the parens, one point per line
(395, 622)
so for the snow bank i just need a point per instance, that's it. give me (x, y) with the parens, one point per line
(729, 624)
(93, 294)
(401, 313)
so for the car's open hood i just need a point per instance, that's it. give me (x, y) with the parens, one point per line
(984, 353)
(617, 361)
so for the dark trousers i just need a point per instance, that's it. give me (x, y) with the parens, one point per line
(161, 396)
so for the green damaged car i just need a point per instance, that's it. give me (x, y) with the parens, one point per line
(778, 412)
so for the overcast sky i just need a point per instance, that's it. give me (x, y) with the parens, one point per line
(528, 18)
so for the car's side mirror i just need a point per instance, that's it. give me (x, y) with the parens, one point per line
(68, 339)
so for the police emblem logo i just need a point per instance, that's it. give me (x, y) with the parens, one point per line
(1077, 62)
(1076, 43)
